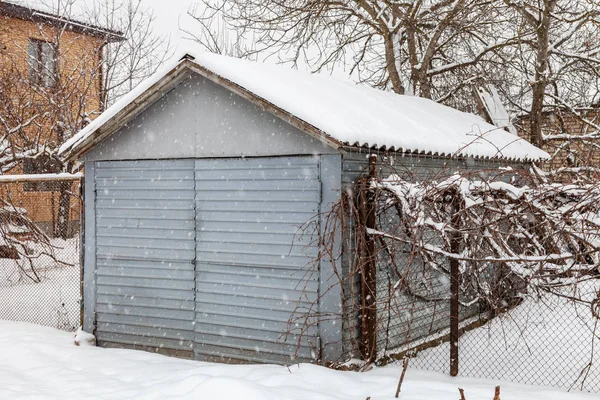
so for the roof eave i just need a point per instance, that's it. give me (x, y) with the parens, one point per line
(108, 35)
(365, 147)
(30, 14)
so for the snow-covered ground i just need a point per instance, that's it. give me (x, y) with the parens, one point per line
(43, 363)
(546, 342)
(55, 300)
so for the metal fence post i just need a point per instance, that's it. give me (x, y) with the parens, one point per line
(368, 265)
(454, 286)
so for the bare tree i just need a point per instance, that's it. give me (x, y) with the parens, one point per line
(557, 54)
(407, 47)
(126, 63)
(512, 234)
(214, 34)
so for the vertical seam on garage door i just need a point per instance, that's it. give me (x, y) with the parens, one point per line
(195, 259)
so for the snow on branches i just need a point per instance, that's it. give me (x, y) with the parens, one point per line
(516, 233)
(22, 240)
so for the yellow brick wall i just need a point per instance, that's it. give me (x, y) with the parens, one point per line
(78, 53)
(79, 57)
(40, 206)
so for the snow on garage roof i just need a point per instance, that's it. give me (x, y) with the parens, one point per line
(337, 112)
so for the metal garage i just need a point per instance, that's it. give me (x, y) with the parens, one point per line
(196, 185)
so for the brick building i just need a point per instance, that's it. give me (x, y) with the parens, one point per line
(51, 83)
(573, 143)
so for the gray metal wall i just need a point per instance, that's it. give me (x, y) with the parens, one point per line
(252, 257)
(199, 120)
(412, 318)
(204, 258)
(145, 254)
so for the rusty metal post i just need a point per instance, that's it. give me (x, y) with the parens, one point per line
(368, 266)
(454, 287)
(80, 199)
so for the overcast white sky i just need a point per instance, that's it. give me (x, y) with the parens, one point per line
(169, 14)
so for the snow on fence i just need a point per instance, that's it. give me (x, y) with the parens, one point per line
(40, 218)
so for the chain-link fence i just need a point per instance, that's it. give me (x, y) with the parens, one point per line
(40, 264)
(531, 337)
(475, 276)
(546, 340)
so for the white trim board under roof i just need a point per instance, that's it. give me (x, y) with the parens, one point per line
(339, 113)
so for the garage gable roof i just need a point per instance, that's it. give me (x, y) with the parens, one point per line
(337, 112)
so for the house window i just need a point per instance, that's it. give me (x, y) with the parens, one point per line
(43, 63)
(41, 165)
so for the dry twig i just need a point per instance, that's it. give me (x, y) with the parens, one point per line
(497, 393)
(404, 368)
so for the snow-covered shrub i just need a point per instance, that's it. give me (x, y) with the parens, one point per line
(83, 338)
(525, 236)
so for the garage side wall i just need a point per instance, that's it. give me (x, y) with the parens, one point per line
(412, 319)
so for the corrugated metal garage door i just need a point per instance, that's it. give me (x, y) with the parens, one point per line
(145, 253)
(251, 265)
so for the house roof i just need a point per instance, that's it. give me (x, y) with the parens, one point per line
(337, 112)
(30, 14)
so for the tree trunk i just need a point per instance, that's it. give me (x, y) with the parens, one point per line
(424, 84)
(390, 61)
(541, 78)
